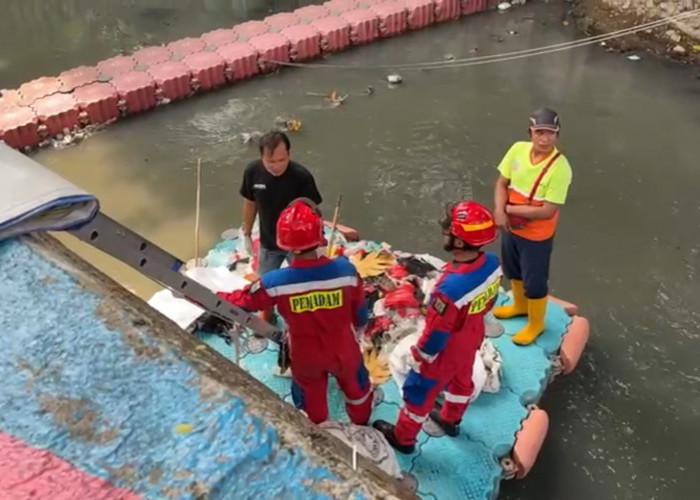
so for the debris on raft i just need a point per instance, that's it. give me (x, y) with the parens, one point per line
(397, 286)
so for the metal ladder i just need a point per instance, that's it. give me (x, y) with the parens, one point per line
(111, 237)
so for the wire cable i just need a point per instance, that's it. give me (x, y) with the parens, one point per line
(507, 56)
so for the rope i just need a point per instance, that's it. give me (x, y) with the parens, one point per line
(508, 56)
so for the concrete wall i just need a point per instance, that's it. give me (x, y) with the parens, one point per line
(101, 392)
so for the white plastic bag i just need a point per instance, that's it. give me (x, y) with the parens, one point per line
(368, 442)
(483, 378)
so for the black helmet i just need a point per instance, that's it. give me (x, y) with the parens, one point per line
(545, 119)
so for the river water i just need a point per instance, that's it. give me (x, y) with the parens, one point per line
(624, 425)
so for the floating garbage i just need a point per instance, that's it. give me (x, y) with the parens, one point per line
(634, 57)
(503, 6)
(394, 78)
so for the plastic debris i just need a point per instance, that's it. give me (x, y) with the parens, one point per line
(634, 57)
(394, 78)
(503, 6)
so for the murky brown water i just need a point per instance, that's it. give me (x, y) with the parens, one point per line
(628, 251)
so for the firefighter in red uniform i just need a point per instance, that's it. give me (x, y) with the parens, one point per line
(322, 301)
(443, 357)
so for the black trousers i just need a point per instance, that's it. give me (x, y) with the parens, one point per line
(527, 261)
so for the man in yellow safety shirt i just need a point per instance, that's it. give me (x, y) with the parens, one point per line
(533, 183)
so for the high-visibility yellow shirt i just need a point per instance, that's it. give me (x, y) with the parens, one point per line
(518, 168)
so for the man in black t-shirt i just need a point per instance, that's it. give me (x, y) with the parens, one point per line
(269, 185)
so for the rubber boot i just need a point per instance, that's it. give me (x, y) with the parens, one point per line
(519, 305)
(535, 322)
(451, 430)
(388, 430)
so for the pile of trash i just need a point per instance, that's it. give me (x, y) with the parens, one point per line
(397, 286)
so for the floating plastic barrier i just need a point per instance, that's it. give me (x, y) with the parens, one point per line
(98, 103)
(241, 60)
(304, 40)
(335, 33)
(208, 70)
(392, 17)
(185, 47)
(36, 89)
(150, 56)
(57, 113)
(173, 80)
(77, 77)
(136, 90)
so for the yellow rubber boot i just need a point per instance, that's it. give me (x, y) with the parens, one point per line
(519, 305)
(535, 322)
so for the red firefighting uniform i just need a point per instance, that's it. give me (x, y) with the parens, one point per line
(320, 300)
(444, 354)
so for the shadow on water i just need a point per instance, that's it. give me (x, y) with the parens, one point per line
(628, 248)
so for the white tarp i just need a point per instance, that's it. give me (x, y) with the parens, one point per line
(33, 198)
(184, 312)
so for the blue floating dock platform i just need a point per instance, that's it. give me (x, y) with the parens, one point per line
(465, 467)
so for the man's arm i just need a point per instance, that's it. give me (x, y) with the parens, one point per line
(359, 305)
(252, 298)
(439, 323)
(500, 200)
(250, 210)
(554, 197)
(500, 192)
(309, 189)
(546, 211)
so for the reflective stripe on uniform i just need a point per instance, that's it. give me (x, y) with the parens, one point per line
(359, 401)
(307, 286)
(457, 399)
(416, 418)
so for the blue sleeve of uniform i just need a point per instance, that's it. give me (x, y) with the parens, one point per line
(359, 303)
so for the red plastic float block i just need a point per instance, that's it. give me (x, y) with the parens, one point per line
(185, 47)
(116, 66)
(136, 90)
(173, 80)
(97, 102)
(447, 9)
(19, 127)
(364, 25)
(57, 113)
(311, 13)
(9, 99)
(241, 60)
(392, 17)
(219, 38)
(250, 29)
(335, 33)
(208, 70)
(77, 77)
(474, 6)
(421, 13)
(304, 40)
(277, 22)
(337, 7)
(36, 89)
(271, 47)
(150, 56)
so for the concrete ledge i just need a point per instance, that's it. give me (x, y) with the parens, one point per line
(108, 384)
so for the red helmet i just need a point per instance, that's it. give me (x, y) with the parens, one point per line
(299, 227)
(472, 223)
